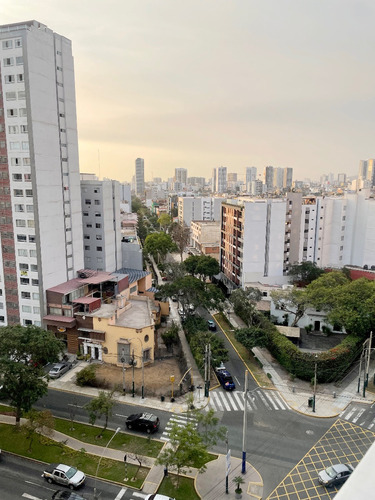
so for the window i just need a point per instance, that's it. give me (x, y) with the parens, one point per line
(59, 84)
(87, 202)
(34, 268)
(21, 237)
(85, 214)
(59, 52)
(17, 177)
(22, 252)
(23, 129)
(58, 68)
(62, 115)
(31, 223)
(97, 202)
(30, 209)
(24, 281)
(7, 44)
(341, 248)
(97, 190)
(32, 253)
(87, 247)
(35, 282)
(14, 146)
(21, 94)
(18, 42)
(35, 296)
(25, 145)
(99, 237)
(99, 249)
(19, 60)
(10, 96)
(11, 112)
(26, 309)
(26, 161)
(15, 161)
(100, 260)
(29, 193)
(36, 310)
(32, 238)
(18, 192)
(19, 208)
(22, 112)
(27, 322)
(98, 226)
(20, 78)
(10, 79)
(8, 61)
(89, 225)
(13, 129)
(27, 177)
(62, 130)
(20, 223)
(86, 236)
(98, 214)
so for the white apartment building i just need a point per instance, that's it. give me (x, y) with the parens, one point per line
(140, 177)
(40, 220)
(199, 208)
(101, 225)
(221, 180)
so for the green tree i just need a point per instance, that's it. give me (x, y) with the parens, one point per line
(164, 221)
(37, 422)
(198, 342)
(208, 427)
(137, 204)
(304, 273)
(101, 406)
(181, 236)
(244, 304)
(158, 245)
(23, 353)
(252, 336)
(185, 450)
(191, 264)
(170, 337)
(294, 301)
(203, 266)
(322, 292)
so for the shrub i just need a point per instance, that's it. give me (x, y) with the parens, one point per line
(87, 376)
(269, 375)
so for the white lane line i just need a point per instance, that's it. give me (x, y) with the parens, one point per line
(217, 401)
(347, 417)
(269, 397)
(358, 415)
(121, 493)
(26, 495)
(212, 403)
(139, 495)
(371, 424)
(264, 400)
(238, 382)
(237, 398)
(225, 402)
(279, 400)
(119, 415)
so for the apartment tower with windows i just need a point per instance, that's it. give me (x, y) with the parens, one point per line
(40, 199)
(140, 177)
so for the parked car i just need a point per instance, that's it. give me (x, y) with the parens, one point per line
(146, 422)
(66, 495)
(335, 474)
(225, 378)
(156, 496)
(59, 369)
(65, 475)
(211, 325)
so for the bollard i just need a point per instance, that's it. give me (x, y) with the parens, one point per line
(334, 395)
(293, 389)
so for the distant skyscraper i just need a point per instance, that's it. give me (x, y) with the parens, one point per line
(278, 176)
(180, 175)
(221, 181)
(213, 180)
(287, 178)
(268, 177)
(251, 175)
(41, 215)
(139, 177)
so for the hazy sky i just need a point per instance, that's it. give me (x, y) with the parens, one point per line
(204, 83)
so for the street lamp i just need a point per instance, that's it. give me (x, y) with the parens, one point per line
(123, 371)
(243, 469)
(143, 368)
(314, 397)
(100, 459)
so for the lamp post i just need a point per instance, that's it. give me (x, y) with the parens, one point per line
(243, 469)
(123, 371)
(314, 397)
(100, 459)
(143, 368)
(227, 469)
(133, 366)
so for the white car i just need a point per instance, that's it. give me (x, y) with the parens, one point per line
(156, 496)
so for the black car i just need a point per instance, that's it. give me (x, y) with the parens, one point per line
(146, 422)
(211, 325)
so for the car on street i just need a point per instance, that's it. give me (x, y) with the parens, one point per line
(65, 475)
(156, 496)
(59, 369)
(335, 474)
(66, 495)
(211, 325)
(225, 378)
(145, 422)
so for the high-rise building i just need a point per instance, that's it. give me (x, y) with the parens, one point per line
(213, 180)
(40, 197)
(101, 225)
(180, 175)
(268, 178)
(251, 175)
(140, 177)
(221, 181)
(199, 208)
(287, 178)
(278, 177)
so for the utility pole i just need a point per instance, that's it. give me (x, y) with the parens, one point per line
(123, 371)
(143, 374)
(368, 364)
(316, 365)
(207, 365)
(243, 470)
(359, 374)
(133, 366)
(227, 466)
(205, 370)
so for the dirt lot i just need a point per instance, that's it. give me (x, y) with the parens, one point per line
(156, 377)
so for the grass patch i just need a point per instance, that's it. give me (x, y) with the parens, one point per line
(46, 450)
(122, 441)
(181, 488)
(247, 356)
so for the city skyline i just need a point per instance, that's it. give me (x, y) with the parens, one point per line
(204, 85)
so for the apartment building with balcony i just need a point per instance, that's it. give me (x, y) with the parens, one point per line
(198, 208)
(205, 237)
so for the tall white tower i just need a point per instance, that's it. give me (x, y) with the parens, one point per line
(41, 221)
(140, 177)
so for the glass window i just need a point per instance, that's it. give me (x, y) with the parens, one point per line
(10, 96)
(7, 44)
(12, 112)
(10, 79)
(8, 61)
(23, 112)
(19, 60)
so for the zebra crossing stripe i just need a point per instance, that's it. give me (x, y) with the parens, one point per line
(371, 424)
(237, 398)
(121, 493)
(348, 416)
(264, 400)
(225, 401)
(271, 400)
(217, 401)
(358, 415)
(279, 400)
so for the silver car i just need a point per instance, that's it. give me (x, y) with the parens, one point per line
(59, 369)
(335, 474)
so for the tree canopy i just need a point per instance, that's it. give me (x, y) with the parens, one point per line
(100, 406)
(294, 301)
(158, 245)
(304, 273)
(203, 266)
(164, 221)
(23, 353)
(181, 236)
(244, 302)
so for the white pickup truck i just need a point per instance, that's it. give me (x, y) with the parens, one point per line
(64, 474)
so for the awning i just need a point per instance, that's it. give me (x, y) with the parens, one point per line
(85, 300)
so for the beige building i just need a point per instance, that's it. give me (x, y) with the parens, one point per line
(205, 237)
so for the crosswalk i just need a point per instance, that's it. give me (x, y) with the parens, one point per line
(234, 401)
(180, 420)
(360, 415)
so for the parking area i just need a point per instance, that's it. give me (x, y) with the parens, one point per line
(344, 442)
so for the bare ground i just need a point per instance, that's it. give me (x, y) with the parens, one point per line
(156, 377)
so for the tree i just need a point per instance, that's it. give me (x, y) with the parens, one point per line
(137, 204)
(185, 450)
(158, 245)
(181, 236)
(37, 422)
(202, 265)
(164, 221)
(244, 302)
(208, 427)
(23, 353)
(252, 337)
(198, 342)
(191, 264)
(170, 337)
(99, 406)
(304, 273)
(293, 300)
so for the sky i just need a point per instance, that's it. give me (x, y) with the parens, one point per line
(200, 84)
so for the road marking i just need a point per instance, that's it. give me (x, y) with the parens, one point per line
(76, 406)
(119, 415)
(351, 412)
(264, 400)
(271, 400)
(358, 415)
(238, 382)
(121, 493)
(279, 400)
(217, 401)
(139, 495)
(224, 398)
(26, 495)
(238, 399)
